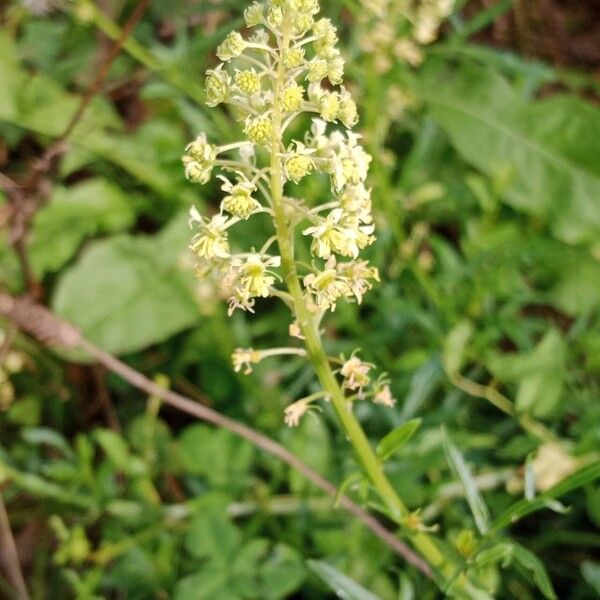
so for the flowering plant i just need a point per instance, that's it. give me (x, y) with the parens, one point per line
(284, 69)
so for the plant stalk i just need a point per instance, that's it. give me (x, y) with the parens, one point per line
(445, 569)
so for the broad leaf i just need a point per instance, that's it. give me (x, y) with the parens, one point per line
(72, 214)
(540, 374)
(129, 292)
(543, 155)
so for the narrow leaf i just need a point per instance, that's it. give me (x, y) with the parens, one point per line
(532, 563)
(461, 470)
(518, 510)
(342, 586)
(397, 438)
(591, 573)
(529, 478)
(499, 552)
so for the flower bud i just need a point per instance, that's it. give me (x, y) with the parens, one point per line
(317, 70)
(217, 86)
(199, 160)
(253, 14)
(329, 106)
(348, 113)
(335, 70)
(233, 45)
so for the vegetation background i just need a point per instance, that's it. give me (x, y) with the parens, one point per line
(486, 180)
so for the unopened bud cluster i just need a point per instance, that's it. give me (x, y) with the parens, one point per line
(284, 67)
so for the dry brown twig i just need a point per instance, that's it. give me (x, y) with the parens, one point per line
(9, 554)
(43, 325)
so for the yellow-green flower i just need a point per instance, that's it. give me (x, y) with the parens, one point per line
(233, 45)
(248, 82)
(317, 70)
(199, 160)
(293, 58)
(292, 97)
(239, 201)
(253, 14)
(217, 86)
(298, 163)
(259, 130)
(329, 106)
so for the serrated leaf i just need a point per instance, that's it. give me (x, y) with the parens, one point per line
(397, 438)
(461, 470)
(128, 292)
(343, 587)
(532, 563)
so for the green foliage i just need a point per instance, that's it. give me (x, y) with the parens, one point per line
(487, 204)
(539, 155)
(342, 586)
(147, 295)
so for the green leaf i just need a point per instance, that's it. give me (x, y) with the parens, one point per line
(500, 552)
(210, 584)
(224, 459)
(342, 585)
(212, 536)
(542, 155)
(524, 507)
(455, 346)
(591, 573)
(49, 437)
(311, 441)
(72, 214)
(128, 292)
(541, 374)
(282, 572)
(269, 574)
(461, 470)
(116, 449)
(394, 440)
(532, 563)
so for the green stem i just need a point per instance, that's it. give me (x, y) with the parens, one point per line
(306, 320)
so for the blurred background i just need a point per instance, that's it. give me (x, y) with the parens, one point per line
(482, 117)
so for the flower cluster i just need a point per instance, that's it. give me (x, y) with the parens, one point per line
(357, 378)
(401, 27)
(285, 67)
